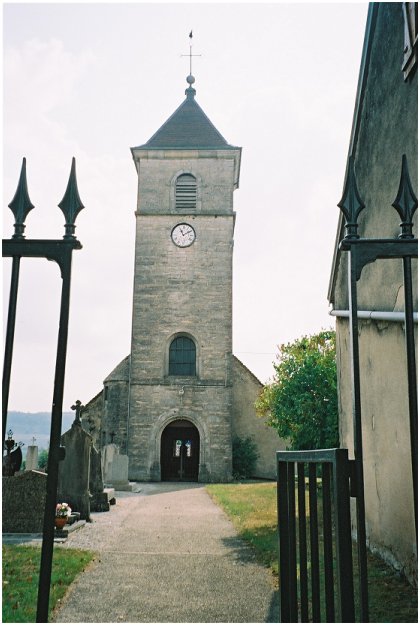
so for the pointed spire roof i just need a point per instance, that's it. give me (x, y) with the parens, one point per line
(188, 128)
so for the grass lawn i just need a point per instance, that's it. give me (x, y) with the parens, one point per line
(252, 507)
(21, 574)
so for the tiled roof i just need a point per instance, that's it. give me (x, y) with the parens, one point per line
(188, 127)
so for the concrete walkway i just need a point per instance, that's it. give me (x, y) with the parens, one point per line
(167, 554)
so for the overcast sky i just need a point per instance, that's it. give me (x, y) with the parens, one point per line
(93, 80)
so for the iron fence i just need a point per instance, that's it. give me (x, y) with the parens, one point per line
(315, 547)
(59, 251)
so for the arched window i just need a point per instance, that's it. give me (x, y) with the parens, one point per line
(185, 192)
(182, 356)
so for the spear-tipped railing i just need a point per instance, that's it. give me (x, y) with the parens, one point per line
(361, 252)
(59, 251)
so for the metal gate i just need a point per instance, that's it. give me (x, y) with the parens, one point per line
(341, 478)
(61, 252)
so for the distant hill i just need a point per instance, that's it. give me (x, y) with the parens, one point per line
(26, 425)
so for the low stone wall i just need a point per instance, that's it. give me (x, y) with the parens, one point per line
(23, 502)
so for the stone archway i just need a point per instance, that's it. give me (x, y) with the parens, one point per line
(180, 452)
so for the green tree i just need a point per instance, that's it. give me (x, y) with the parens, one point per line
(301, 401)
(43, 458)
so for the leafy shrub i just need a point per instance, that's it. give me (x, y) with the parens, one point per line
(244, 457)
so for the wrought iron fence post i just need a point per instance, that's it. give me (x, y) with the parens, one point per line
(20, 206)
(54, 450)
(351, 204)
(406, 204)
(10, 335)
(412, 380)
(357, 433)
(59, 251)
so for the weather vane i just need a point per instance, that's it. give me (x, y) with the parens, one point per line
(190, 54)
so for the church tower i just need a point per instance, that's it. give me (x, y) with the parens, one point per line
(179, 423)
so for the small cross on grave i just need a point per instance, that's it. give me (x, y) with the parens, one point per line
(78, 408)
(33, 440)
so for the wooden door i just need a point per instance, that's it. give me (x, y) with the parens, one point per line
(180, 451)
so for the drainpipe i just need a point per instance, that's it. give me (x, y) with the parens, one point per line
(376, 315)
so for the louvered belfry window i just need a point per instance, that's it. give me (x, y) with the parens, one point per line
(182, 356)
(185, 192)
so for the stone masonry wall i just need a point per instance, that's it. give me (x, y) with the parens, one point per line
(246, 423)
(214, 171)
(91, 418)
(154, 407)
(23, 502)
(115, 414)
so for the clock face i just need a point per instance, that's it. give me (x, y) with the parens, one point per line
(183, 235)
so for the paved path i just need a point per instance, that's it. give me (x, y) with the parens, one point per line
(167, 554)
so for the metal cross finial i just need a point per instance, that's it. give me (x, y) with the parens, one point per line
(351, 204)
(71, 204)
(406, 202)
(33, 440)
(190, 53)
(21, 204)
(78, 408)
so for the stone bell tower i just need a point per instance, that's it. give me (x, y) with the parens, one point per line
(180, 372)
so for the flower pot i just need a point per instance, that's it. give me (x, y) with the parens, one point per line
(60, 522)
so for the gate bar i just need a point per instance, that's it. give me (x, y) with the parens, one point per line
(54, 451)
(357, 433)
(328, 544)
(10, 336)
(283, 525)
(313, 530)
(303, 550)
(412, 379)
(291, 500)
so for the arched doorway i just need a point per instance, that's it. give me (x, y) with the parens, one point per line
(180, 452)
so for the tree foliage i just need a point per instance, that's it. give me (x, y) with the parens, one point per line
(43, 458)
(301, 402)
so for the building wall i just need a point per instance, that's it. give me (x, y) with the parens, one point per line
(386, 129)
(246, 423)
(115, 406)
(153, 407)
(386, 438)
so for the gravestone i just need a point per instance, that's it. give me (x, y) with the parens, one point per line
(23, 502)
(119, 473)
(31, 462)
(74, 470)
(109, 451)
(99, 501)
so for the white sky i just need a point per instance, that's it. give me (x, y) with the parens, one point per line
(92, 80)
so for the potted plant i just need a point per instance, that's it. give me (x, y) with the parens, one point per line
(62, 512)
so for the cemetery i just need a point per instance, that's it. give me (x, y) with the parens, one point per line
(324, 527)
(80, 483)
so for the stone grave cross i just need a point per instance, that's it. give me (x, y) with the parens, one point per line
(78, 408)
